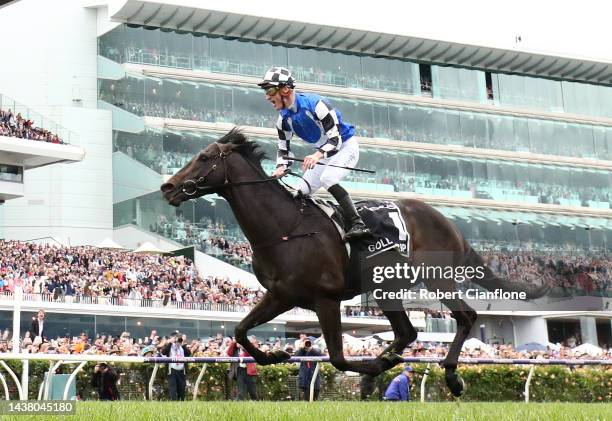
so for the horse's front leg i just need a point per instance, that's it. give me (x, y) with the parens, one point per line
(328, 312)
(267, 309)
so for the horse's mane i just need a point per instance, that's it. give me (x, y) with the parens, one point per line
(249, 150)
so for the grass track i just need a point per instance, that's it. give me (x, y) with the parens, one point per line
(387, 411)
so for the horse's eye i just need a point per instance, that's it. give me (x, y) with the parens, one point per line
(202, 157)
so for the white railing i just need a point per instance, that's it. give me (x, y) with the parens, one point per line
(61, 359)
(155, 303)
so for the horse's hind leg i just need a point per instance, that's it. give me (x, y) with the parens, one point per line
(405, 334)
(465, 317)
(328, 312)
(267, 309)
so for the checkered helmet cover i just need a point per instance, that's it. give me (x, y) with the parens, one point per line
(277, 76)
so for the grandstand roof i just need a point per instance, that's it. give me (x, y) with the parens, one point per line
(192, 18)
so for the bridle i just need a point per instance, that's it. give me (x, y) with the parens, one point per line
(192, 186)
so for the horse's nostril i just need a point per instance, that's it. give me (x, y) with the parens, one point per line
(166, 187)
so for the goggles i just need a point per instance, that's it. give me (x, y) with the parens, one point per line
(272, 90)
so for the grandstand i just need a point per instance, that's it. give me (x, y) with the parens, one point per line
(517, 153)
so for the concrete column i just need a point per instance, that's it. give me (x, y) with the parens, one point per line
(17, 297)
(138, 213)
(588, 330)
(530, 329)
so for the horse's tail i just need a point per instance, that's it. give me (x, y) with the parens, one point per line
(491, 282)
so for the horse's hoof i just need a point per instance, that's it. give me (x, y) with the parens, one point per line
(367, 386)
(455, 383)
(277, 357)
(391, 359)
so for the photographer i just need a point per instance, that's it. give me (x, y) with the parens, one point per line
(104, 379)
(246, 373)
(307, 369)
(175, 348)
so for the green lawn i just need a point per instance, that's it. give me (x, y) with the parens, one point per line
(323, 411)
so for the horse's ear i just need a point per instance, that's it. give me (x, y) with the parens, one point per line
(226, 147)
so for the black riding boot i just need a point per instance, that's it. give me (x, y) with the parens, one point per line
(356, 228)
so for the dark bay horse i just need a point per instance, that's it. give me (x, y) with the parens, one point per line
(299, 268)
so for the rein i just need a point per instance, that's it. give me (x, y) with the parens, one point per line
(192, 186)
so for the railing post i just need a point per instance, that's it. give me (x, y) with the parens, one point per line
(52, 368)
(531, 371)
(6, 390)
(313, 381)
(152, 380)
(196, 386)
(15, 379)
(17, 297)
(71, 379)
(25, 377)
(423, 381)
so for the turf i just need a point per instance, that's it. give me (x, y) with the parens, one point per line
(388, 411)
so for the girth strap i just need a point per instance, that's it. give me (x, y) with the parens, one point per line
(283, 239)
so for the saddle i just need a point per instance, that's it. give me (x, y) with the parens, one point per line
(390, 241)
(383, 218)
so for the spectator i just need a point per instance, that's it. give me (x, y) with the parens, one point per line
(105, 380)
(307, 370)
(38, 326)
(17, 126)
(399, 388)
(232, 372)
(177, 382)
(246, 373)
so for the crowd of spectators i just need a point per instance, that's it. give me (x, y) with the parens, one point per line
(371, 311)
(218, 345)
(14, 125)
(566, 274)
(213, 238)
(307, 74)
(426, 181)
(417, 125)
(343, 76)
(95, 275)
(433, 350)
(87, 274)
(92, 275)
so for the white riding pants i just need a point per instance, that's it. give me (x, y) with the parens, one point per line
(326, 176)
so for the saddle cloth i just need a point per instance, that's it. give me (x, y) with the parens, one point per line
(384, 220)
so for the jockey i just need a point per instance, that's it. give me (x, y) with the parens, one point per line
(315, 121)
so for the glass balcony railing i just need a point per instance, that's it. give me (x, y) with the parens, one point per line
(191, 51)
(428, 174)
(187, 100)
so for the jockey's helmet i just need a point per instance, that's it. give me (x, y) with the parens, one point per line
(277, 77)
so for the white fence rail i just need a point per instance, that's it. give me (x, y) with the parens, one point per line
(82, 359)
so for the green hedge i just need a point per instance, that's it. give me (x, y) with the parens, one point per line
(278, 382)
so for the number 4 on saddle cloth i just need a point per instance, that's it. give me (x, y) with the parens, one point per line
(389, 244)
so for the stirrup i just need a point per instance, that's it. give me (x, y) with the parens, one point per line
(356, 232)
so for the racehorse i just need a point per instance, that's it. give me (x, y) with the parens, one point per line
(299, 256)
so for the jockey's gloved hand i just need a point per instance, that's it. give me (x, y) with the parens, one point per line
(279, 171)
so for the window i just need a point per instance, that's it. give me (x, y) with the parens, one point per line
(425, 72)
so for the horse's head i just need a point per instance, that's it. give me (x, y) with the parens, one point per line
(200, 175)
